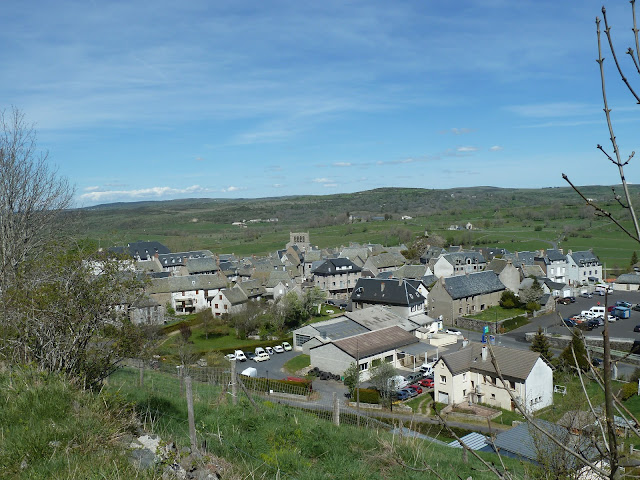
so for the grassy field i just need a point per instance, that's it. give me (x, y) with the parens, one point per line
(497, 313)
(297, 363)
(516, 219)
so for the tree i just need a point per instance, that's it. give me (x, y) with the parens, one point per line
(67, 312)
(634, 258)
(379, 378)
(577, 347)
(32, 196)
(352, 377)
(508, 299)
(541, 345)
(532, 293)
(311, 298)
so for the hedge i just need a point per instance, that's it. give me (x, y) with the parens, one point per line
(367, 395)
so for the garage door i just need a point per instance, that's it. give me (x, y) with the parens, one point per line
(443, 398)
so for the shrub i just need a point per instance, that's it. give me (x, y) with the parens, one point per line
(509, 300)
(367, 395)
(628, 390)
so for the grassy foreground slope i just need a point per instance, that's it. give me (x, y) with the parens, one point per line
(50, 429)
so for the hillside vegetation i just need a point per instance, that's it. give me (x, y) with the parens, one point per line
(516, 219)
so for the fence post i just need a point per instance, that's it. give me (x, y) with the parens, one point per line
(141, 366)
(234, 384)
(192, 422)
(336, 409)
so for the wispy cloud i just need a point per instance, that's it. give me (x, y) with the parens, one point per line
(456, 131)
(342, 164)
(554, 109)
(321, 180)
(466, 149)
(142, 193)
(232, 189)
(91, 188)
(199, 159)
(496, 148)
(330, 185)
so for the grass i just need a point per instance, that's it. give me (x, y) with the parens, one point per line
(50, 429)
(277, 441)
(497, 313)
(297, 363)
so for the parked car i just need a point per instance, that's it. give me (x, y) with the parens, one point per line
(230, 356)
(622, 303)
(636, 307)
(413, 377)
(596, 362)
(286, 346)
(586, 295)
(259, 350)
(278, 349)
(636, 328)
(587, 326)
(261, 357)
(453, 331)
(401, 395)
(417, 388)
(249, 355)
(563, 301)
(269, 350)
(240, 356)
(569, 322)
(426, 382)
(410, 391)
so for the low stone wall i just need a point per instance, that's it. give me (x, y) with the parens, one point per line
(617, 344)
(371, 406)
(477, 325)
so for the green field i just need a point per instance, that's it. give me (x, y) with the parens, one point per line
(516, 219)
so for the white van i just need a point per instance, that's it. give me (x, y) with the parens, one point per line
(588, 314)
(427, 369)
(598, 311)
(397, 382)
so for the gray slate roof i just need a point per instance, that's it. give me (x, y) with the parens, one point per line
(479, 283)
(388, 292)
(556, 255)
(629, 278)
(514, 364)
(377, 317)
(584, 257)
(187, 283)
(338, 330)
(410, 271)
(333, 266)
(376, 342)
(460, 258)
(142, 249)
(235, 295)
(201, 264)
(386, 260)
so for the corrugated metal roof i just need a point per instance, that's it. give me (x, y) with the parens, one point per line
(377, 317)
(338, 330)
(473, 440)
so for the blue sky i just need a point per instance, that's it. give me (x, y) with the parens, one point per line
(153, 100)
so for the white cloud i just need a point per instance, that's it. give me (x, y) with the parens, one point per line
(342, 164)
(152, 192)
(91, 189)
(467, 149)
(554, 109)
(277, 185)
(199, 159)
(320, 180)
(232, 189)
(496, 148)
(330, 185)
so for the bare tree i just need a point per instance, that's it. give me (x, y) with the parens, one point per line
(32, 195)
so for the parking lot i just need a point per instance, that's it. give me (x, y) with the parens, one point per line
(273, 366)
(621, 328)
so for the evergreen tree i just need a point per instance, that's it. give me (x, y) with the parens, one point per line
(566, 356)
(634, 258)
(541, 345)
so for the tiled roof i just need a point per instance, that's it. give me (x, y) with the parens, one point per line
(187, 283)
(461, 258)
(235, 295)
(388, 292)
(629, 278)
(410, 271)
(312, 256)
(202, 264)
(386, 260)
(584, 257)
(555, 255)
(376, 342)
(479, 283)
(514, 364)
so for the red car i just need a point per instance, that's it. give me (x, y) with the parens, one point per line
(426, 382)
(416, 387)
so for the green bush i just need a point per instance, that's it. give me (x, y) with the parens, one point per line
(176, 326)
(368, 395)
(628, 390)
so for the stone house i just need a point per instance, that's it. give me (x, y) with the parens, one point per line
(336, 276)
(459, 263)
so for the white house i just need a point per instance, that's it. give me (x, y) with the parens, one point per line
(583, 267)
(468, 375)
(459, 263)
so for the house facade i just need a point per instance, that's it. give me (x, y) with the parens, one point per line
(460, 295)
(336, 276)
(583, 267)
(468, 375)
(459, 263)
(398, 294)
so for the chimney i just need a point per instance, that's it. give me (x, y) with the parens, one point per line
(484, 353)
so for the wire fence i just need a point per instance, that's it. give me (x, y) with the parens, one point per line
(161, 396)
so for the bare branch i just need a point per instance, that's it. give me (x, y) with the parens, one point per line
(635, 32)
(607, 30)
(601, 212)
(612, 136)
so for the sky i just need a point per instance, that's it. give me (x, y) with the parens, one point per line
(155, 100)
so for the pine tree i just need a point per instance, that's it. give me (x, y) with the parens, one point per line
(581, 353)
(541, 345)
(634, 258)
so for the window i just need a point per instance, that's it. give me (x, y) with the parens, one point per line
(388, 358)
(216, 305)
(226, 307)
(464, 393)
(464, 377)
(220, 297)
(512, 385)
(196, 292)
(364, 366)
(493, 396)
(443, 379)
(460, 310)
